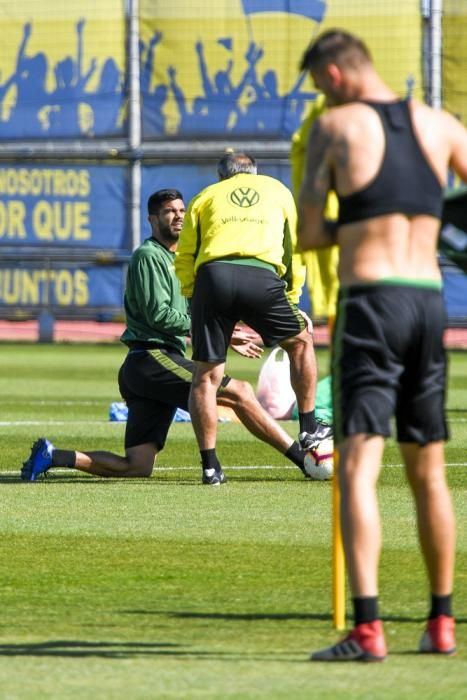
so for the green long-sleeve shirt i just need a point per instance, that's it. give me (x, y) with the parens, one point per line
(155, 309)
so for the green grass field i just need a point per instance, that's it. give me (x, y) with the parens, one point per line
(160, 588)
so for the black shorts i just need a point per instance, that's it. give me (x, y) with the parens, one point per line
(154, 383)
(226, 293)
(389, 360)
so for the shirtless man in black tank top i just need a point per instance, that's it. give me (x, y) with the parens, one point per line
(387, 160)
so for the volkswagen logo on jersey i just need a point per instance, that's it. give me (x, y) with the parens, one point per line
(244, 197)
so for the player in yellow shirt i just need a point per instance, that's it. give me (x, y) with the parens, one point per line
(235, 262)
(321, 265)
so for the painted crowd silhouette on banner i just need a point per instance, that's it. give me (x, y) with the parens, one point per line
(37, 112)
(251, 105)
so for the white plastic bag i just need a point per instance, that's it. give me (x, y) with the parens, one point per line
(274, 390)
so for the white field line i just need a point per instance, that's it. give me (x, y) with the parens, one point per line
(61, 402)
(110, 422)
(237, 468)
(6, 423)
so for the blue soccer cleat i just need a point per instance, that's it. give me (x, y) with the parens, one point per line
(39, 461)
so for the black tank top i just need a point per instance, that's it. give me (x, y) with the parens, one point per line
(405, 183)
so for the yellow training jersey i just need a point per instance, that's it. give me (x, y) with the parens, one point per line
(245, 216)
(321, 264)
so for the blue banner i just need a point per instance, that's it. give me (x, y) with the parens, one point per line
(455, 292)
(63, 206)
(61, 286)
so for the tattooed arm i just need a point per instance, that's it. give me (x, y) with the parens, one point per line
(314, 231)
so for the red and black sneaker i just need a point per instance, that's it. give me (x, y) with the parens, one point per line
(438, 637)
(364, 643)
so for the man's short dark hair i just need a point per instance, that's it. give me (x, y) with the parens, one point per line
(233, 163)
(157, 199)
(335, 46)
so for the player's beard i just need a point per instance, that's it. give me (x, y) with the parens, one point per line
(168, 234)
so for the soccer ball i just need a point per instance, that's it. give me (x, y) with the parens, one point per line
(319, 460)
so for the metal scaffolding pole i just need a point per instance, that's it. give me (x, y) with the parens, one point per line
(134, 126)
(432, 12)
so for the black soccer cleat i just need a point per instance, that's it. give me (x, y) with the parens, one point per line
(213, 477)
(309, 440)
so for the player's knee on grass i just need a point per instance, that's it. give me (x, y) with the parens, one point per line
(141, 460)
(139, 471)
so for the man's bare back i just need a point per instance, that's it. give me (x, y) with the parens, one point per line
(346, 151)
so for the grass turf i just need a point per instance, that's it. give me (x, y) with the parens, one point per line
(161, 588)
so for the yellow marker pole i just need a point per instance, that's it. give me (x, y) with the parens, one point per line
(338, 561)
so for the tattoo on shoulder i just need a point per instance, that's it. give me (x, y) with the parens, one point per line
(317, 175)
(341, 153)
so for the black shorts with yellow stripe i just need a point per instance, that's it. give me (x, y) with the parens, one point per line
(228, 292)
(154, 382)
(389, 360)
